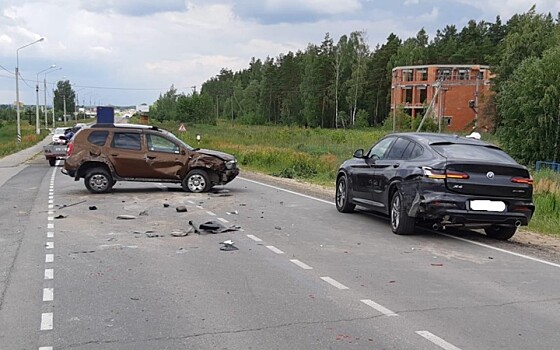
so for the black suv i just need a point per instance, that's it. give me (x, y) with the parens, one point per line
(438, 179)
(106, 153)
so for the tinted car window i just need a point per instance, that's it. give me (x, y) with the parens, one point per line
(161, 144)
(98, 137)
(416, 152)
(471, 152)
(397, 149)
(380, 148)
(126, 141)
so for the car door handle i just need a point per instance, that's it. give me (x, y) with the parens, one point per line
(396, 165)
(114, 154)
(151, 157)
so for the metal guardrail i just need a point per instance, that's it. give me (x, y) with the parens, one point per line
(548, 165)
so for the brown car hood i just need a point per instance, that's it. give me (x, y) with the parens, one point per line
(218, 154)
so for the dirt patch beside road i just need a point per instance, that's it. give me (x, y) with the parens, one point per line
(523, 242)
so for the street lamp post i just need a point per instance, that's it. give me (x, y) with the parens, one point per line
(17, 88)
(45, 88)
(37, 129)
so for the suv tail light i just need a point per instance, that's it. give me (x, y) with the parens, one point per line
(70, 149)
(442, 174)
(522, 180)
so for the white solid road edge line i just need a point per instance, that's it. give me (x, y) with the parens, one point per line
(437, 340)
(443, 234)
(334, 283)
(47, 321)
(254, 238)
(46, 348)
(501, 250)
(301, 264)
(378, 307)
(285, 190)
(274, 249)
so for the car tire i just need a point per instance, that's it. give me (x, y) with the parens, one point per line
(342, 199)
(98, 180)
(52, 161)
(196, 181)
(502, 233)
(401, 223)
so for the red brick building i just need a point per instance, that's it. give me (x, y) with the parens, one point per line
(449, 93)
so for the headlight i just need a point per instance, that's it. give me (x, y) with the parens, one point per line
(230, 164)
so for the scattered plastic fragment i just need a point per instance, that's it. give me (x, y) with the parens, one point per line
(228, 245)
(179, 233)
(235, 212)
(166, 205)
(437, 264)
(277, 227)
(181, 209)
(61, 216)
(126, 217)
(153, 235)
(92, 207)
(143, 213)
(69, 205)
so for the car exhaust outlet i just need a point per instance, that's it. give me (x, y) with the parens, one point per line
(517, 223)
(435, 227)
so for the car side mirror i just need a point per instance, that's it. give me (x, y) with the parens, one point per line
(359, 153)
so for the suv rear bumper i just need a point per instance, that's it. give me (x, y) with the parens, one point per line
(454, 209)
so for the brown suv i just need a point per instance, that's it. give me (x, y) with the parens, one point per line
(106, 153)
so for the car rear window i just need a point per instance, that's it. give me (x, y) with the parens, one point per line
(127, 141)
(472, 152)
(98, 137)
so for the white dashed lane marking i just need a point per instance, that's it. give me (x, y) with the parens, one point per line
(334, 283)
(47, 321)
(302, 265)
(49, 245)
(50, 225)
(254, 238)
(437, 340)
(49, 274)
(48, 294)
(49, 258)
(274, 249)
(378, 307)
(50, 234)
(46, 348)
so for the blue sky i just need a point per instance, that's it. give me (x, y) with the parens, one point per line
(129, 51)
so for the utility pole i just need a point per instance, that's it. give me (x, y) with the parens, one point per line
(45, 106)
(37, 129)
(64, 106)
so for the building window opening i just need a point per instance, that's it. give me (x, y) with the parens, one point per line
(408, 95)
(407, 74)
(447, 121)
(423, 95)
(463, 74)
(444, 74)
(423, 74)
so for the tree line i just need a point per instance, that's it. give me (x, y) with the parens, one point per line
(348, 84)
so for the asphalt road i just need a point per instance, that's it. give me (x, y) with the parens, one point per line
(303, 276)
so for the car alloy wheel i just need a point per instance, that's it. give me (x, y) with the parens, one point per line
(342, 199)
(196, 181)
(98, 181)
(401, 223)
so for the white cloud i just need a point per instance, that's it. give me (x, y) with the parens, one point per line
(431, 16)
(507, 8)
(318, 6)
(411, 2)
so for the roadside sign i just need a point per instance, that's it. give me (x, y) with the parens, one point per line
(182, 128)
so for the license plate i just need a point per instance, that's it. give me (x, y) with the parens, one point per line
(487, 205)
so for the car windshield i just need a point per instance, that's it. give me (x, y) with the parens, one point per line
(472, 152)
(59, 131)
